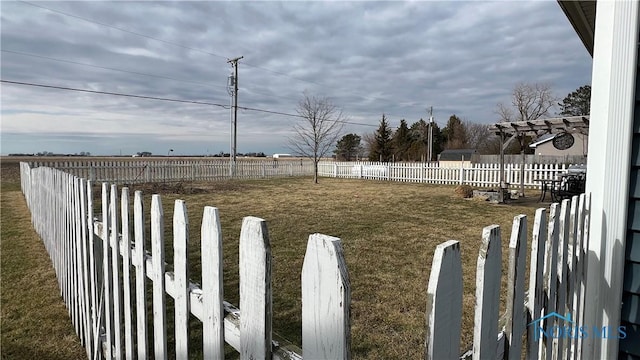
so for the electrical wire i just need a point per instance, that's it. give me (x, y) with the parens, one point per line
(170, 100)
(109, 68)
(114, 94)
(180, 45)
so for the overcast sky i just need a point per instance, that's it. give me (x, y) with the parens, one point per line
(368, 58)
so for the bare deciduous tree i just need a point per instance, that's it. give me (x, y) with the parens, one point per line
(529, 102)
(318, 130)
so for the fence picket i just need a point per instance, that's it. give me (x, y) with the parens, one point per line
(126, 277)
(536, 282)
(86, 285)
(181, 278)
(213, 317)
(157, 259)
(550, 276)
(444, 303)
(515, 313)
(141, 276)
(106, 274)
(326, 298)
(561, 283)
(488, 274)
(255, 290)
(115, 271)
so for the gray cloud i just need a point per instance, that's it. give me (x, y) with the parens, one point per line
(368, 57)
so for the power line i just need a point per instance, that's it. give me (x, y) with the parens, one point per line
(179, 45)
(168, 99)
(114, 94)
(108, 68)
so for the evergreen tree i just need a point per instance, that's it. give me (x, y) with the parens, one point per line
(577, 103)
(402, 141)
(382, 148)
(455, 133)
(348, 147)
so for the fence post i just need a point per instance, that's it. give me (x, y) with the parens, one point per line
(326, 298)
(444, 303)
(255, 290)
(461, 179)
(335, 170)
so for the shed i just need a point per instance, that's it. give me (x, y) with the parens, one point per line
(455, 158)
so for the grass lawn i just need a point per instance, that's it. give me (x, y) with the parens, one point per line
(389, 232)
(34, 321)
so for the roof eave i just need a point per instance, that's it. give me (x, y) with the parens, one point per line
(581, 15)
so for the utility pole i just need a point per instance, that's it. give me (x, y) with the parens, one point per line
(430, 149)
(233, 91)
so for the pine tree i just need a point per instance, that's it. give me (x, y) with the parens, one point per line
(383, 145)
(577, 103)
(348, 147)
(402, 141)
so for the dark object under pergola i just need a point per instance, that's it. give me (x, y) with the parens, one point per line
(518, 130)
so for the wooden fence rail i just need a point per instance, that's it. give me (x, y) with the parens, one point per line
(103, 269)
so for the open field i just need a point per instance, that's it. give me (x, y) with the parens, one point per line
(389, 233)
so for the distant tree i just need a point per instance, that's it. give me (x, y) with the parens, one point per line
(577, 102)
(455, 133)
(528, 102)
(318, 130)
(382, 148)
(402, 141)
(348, 147)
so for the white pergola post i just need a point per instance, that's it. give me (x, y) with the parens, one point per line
(608, 166)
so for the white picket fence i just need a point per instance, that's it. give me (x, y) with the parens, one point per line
(127, 171)
(487, 175)
(102, 273)
(121, 171)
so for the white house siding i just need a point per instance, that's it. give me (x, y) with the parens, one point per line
(608, 167)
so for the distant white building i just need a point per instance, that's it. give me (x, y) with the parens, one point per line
(278, 156)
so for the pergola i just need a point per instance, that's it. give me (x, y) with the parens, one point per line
(510, 131)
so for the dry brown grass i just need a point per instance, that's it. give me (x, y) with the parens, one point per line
(35, 323)
(389, 233)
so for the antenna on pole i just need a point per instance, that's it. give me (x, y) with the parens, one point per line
(232, 87)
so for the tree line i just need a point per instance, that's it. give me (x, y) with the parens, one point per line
(322, 123)
(410, 143)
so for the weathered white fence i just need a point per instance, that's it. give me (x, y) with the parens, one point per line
(475, 175)
(95, 262)
(128, 171)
